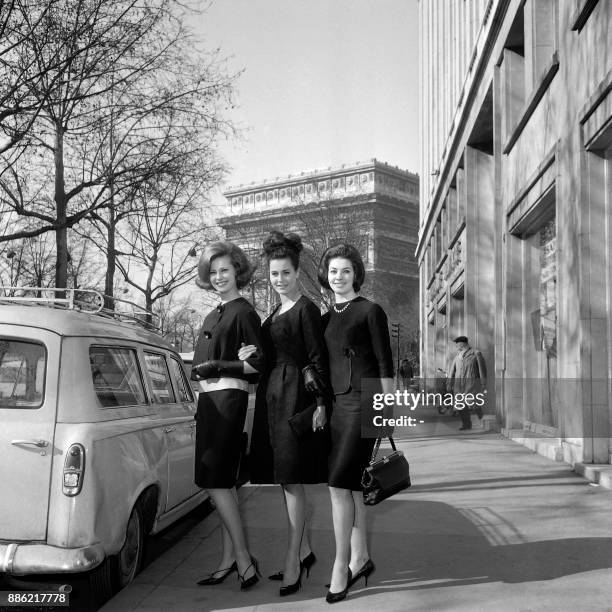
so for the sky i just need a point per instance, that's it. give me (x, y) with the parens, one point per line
(325, 83)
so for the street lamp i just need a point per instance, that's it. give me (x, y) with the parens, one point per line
(396, 333)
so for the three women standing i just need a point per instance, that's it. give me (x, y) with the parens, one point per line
(290, 408)
(223, 398)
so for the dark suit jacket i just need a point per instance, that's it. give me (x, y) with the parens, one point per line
(358, 345)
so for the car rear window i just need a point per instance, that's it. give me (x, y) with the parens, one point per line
(183, 388)
(160, 379)
(22, 373)
(116, 376)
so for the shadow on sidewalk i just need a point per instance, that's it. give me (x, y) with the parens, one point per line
(416, 545)
(504, 482)
(443, 546)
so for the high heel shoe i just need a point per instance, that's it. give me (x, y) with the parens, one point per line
(307, 562)
(247, 583)
(366, 569)
(212, 579)
(332, 598)
(292, 588)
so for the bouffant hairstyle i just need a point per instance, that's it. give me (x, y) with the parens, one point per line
(244, 269)
(280, 246)
(346, 251)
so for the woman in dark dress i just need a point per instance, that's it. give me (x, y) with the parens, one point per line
(357, 339)
(223, 398)
(288, 446)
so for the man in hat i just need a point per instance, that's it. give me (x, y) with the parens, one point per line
(468, 374)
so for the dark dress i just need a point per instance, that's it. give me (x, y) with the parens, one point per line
(291, 341)
(358, 346)
(220, 416)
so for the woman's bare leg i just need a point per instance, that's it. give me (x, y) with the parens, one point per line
(343, 516)
(295, 503)
(359, 542)
(226, 502)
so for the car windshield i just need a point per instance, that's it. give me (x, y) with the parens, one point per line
(22, 373)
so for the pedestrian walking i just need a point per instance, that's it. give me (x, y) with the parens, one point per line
(289, 444)
(468, 374)
(222, 402)
(357, 339)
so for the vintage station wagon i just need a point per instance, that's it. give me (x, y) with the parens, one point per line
(97, 442)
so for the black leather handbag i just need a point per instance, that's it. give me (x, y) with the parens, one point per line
(385, 477)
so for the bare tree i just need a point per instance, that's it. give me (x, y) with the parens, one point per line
(124, 79)
(21, 20)
(158, 247)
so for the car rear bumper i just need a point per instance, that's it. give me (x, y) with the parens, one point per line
(20, 559)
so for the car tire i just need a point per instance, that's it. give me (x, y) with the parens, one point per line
(129, 558)
(117, 571)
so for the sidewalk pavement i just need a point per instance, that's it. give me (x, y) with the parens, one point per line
(487, 525)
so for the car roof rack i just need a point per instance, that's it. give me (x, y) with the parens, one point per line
(89, 301)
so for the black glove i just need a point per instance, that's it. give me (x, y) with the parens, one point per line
(312, 381)
(202, 371)
(217, 368)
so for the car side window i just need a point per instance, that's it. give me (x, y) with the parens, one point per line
(22, 373)
(160, 378)
(117, 379)
(178, 374)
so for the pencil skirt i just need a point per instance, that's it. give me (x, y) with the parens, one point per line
(220, 422)
(350, 452)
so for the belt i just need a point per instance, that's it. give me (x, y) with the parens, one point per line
(225, 382)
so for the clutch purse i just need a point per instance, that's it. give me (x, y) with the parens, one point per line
(385, 477)
(301, 422)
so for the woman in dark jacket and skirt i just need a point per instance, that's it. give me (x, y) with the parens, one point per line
(357, 339)
(223, 398)
(289, 445)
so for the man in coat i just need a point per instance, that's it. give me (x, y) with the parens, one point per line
(468, 374)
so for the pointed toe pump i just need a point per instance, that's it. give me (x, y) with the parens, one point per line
(332, 598)
(290, 589)
(307, 562)
(366, 569)
(247, 583)
(219, 576)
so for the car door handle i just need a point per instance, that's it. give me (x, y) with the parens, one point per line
(39, 443)
(169, 429)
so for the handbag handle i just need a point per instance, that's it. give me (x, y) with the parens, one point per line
(377, 446)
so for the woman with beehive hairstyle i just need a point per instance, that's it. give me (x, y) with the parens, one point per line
(289, 445)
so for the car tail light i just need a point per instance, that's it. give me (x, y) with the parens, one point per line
(74, 470)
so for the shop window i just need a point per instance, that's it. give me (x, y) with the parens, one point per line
(540, 290)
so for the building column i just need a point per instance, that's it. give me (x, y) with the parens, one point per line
(479, 260)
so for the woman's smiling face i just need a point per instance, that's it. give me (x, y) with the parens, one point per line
(283, 276)
(223, 275)
(340, 276)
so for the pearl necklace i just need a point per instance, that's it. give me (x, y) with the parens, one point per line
(341, 310)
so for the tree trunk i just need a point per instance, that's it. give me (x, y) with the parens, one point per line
(149, 291)
(109, 279)
(61, 232)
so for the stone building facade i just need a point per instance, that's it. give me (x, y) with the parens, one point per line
(371, 204)
(515, 237)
